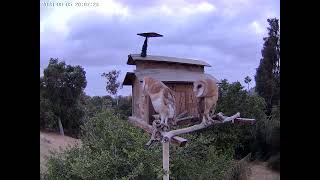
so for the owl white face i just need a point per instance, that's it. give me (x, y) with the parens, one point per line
(198, 89)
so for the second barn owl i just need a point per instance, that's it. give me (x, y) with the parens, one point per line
(206, 92)
(162, 98)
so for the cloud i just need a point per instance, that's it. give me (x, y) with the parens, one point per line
(257, 27)
(226, 34)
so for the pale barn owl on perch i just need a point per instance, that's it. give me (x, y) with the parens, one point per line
(206, 92)
(162, 99)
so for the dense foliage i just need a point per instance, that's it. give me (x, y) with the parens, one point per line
(96, 104)
(121, 105)
(267, 133)
(233, 98)
(62, 98)
(268, 73)
(124, 107)
(113, 84)
(267, 137)
(113, 149)
(60, 90)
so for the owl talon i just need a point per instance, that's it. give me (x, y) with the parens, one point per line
(164, 127)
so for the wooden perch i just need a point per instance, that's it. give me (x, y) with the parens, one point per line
(184, 118)
(189, 120)
(244, 121)
(159, 132)
(192, 120)
(179, 141)
(224, 118)
(171, 134)
(182, 115)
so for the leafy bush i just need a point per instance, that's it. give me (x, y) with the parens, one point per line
(232, 99)
(199, 159)
(262, 139)
(113, 149)
(267, 135)
(239, 171)
(121, 105)
(48, 120)
(124, 107)
(96, 104)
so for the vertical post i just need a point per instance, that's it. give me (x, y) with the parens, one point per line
(144, 48)
(146, 105)
(60, 127)
(165, 161)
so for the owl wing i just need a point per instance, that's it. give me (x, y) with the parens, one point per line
(168, 97)
(169, 102)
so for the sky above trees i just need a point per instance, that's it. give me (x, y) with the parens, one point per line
(226, 34)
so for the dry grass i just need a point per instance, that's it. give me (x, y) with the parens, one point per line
(246, 170)
(260, 171)
(53, 142)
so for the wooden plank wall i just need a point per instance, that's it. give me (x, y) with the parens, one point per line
(136, 88)
(137, 93)
(163, 65)
(185, 98)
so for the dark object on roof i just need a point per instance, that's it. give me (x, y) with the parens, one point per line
(150, 34)
(132, 58)
(145, 44)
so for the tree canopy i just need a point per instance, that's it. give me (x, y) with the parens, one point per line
(268, 73)
(60, 89)
(113, 84)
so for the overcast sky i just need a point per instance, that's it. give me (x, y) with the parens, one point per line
(228, 34)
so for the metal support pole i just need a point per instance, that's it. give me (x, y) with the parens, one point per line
(165, 157)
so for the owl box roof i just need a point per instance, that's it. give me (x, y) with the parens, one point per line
(133, 58)
(165, 76)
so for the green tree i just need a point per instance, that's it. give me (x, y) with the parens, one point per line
(63, 86)
(125, 106)
(233, 98)
(96, 104)
(247, 80)
(47, 116)
(113, 84)
(268, 73)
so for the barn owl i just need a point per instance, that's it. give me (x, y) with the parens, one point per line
(206, 92)
(162, 98)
